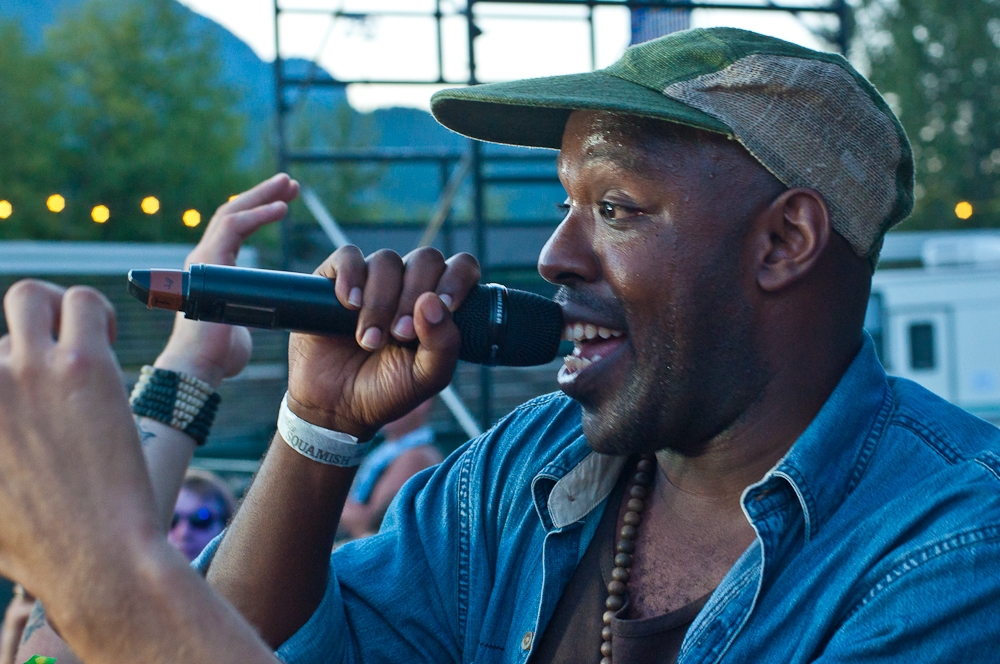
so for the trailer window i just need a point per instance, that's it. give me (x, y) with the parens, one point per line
(922, 346)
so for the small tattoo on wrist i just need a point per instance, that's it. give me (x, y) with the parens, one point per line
(35, 620)
(144, 434)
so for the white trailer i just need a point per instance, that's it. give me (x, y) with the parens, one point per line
(939, 324)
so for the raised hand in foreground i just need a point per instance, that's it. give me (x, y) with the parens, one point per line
(207, 351)
(211, 351)
(80, 527)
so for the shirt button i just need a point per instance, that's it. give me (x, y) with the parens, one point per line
(526, 641)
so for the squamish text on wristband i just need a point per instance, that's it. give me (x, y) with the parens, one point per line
(332, 448)
(499, 326)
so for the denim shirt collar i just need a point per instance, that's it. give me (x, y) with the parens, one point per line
(821, 468)
(569, 487)
(826, 462)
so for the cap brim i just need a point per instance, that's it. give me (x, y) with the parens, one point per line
(533, 112)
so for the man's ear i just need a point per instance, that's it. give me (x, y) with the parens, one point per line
(793, 232)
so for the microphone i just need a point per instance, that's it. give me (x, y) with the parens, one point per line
(499, 326)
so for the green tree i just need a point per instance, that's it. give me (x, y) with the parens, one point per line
(28, 136)
(938, 64)
(143, 113)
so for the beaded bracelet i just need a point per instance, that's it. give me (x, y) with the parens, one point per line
(176, 399)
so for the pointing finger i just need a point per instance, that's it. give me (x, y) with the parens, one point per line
(278, 187)
(226, 232)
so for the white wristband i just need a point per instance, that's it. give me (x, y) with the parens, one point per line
(314, 442)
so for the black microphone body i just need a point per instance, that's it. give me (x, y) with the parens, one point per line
(498, 326)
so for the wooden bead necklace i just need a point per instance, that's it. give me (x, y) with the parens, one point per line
(637, 493)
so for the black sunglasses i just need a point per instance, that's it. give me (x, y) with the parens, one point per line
(203, 519)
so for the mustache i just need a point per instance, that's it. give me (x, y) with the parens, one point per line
(607, 309)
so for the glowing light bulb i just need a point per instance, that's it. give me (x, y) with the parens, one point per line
(55, 203)
(6, 209)
(150, 205)
(100, 214)
(963, 210)
(191, 218)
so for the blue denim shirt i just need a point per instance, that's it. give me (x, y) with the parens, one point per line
(878, 539)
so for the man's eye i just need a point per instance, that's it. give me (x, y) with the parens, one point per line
(613, 212)
(564, 208)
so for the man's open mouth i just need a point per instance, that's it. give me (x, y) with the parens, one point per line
(591, 344)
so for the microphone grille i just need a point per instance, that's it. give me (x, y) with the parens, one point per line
(533, 328)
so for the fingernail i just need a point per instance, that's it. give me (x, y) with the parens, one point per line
(371, 338)
(404, 327)
(433, 312)
(446, 299)
(354, 297)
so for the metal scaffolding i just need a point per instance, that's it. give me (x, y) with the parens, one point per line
(471, 164)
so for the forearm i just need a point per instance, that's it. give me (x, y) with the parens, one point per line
(273, 563)
(171, 614)
(168, 453)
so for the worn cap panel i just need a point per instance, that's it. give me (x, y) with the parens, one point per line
(811, 125)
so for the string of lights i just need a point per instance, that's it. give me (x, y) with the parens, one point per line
(101, 214)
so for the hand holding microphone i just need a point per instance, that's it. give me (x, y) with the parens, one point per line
(411, 299)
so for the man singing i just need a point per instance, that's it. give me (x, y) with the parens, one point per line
(729, 474)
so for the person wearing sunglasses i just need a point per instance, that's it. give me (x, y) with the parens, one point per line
(204, 506)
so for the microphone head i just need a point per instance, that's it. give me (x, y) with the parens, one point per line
(508, 327)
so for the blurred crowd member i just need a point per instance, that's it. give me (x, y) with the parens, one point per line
(408, 448)
(14, 621)
(204, 506)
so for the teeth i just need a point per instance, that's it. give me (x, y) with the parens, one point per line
(574, 363)
(588, 331)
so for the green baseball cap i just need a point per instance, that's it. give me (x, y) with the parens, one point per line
(809, 117)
